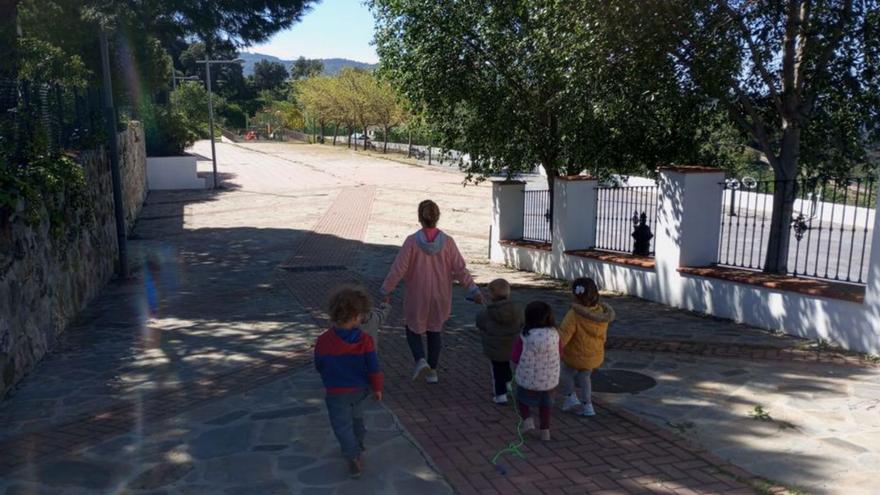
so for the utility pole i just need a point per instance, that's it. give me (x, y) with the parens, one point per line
(208, 63)
(110, 115)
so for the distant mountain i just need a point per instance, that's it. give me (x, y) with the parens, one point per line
(332, 66)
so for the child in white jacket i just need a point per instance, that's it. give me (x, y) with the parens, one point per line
(536, 355)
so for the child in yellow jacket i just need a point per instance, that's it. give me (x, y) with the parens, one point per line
(582, 335)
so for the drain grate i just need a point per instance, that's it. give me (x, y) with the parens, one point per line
(621, 381)
(316, 268)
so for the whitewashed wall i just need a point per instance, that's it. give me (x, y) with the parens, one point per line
(687, 235)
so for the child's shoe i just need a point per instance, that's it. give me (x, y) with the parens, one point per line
(570, 403)
(528, 425)
(500, 399)
(432, 376)
(545, 435)
(588, 410)
(420, 369)
(355, 468)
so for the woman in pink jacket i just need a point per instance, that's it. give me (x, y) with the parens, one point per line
(429, 262)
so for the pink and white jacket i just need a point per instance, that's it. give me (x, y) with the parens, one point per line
(537, 358)
(428, 268)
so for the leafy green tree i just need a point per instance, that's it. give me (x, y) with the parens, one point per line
(316, 97)
(800, 78)
(226, 79)
(354, 100)
(304, 68)
(269, 75)
(387, 110)
(191, 100)
(524, 83)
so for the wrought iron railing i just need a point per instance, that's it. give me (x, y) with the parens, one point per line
(622, 214)
(826, 234)
(39, 117)
(537, 216)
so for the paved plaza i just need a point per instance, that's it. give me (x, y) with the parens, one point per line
(195, 376)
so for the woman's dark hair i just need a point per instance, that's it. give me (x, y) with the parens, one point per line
(348, 302)
(429, 214)
(538, 315)
(585, 291)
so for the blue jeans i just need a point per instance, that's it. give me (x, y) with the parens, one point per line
(346, 413)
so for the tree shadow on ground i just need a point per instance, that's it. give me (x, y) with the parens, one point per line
(203, 301)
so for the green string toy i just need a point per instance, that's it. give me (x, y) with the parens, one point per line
(512, 448)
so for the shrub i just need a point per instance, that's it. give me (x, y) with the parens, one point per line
(167, 131)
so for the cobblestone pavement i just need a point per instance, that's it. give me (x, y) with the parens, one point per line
(195, 376)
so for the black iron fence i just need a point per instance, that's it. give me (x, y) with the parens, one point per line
(625, 219)
(537, 216)
(37, 117)
(825, 233)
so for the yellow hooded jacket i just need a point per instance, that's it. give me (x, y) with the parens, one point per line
(583, 333)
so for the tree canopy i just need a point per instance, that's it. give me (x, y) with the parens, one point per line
(269, 75)
(799, 79)
(525, 83)
(304, 68)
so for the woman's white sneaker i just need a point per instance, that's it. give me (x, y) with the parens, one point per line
(432, 376)
(588, 410)
(500, 399)
(420, 369)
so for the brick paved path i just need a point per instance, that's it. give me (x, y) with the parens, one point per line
(461, 429)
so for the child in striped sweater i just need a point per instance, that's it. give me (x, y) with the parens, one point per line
(346, 358)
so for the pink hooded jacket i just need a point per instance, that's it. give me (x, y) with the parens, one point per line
(428, 269)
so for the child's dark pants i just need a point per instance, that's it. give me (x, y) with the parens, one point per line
(501, 375)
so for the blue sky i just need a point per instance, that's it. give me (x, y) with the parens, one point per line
(333, 28)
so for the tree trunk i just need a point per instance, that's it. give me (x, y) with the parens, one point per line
(335, 132)
(322, 131)
(784, 194)
(385, 146)
(365, 138)
(409, 144)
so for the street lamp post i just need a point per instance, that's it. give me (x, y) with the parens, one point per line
(175, 78)
(208, 63)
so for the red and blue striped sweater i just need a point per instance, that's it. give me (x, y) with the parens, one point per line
(347, 361)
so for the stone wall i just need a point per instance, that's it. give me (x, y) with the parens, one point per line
(133, 157)
(46, 278)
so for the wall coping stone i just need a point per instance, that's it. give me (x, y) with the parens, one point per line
(615, 258)
(540, 246)
(807, 286)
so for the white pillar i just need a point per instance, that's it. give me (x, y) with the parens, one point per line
(689, 216)
(574, 213)
(872, 291)
(508, 206)
(688, 226)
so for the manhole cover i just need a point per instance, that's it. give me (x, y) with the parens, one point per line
(621, 381)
